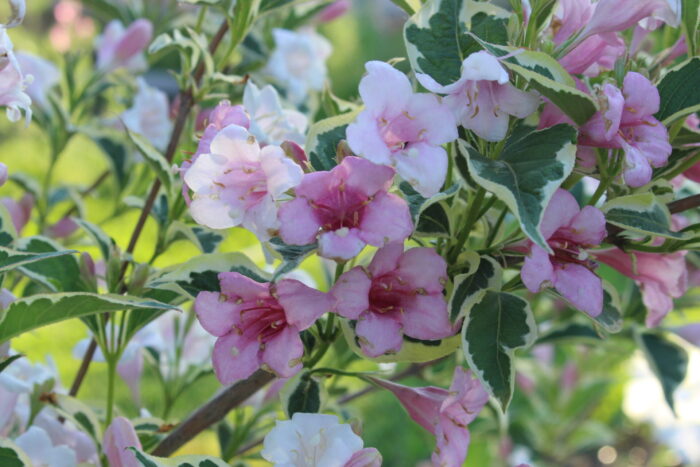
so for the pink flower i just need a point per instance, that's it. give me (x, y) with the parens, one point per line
(223, 115)
(118, 438)
(367, 457)
(626, 121)
(398, 293)
(63, 228)
(45, 75)
(258, 324)
(402, 129)
(345, 208)
(569, 17)
(118, 47)
(148, 115)
(661, 278)
(482, 99)
(569, 231)
(444, 413)
(13, 82)
(20, 212)
(334, 11)
(618, 15)
(238, 183)
(593, 54)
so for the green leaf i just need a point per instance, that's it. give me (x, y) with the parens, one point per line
(7, 228)
(11, 455)
(484, 273)
(409, 6)
(493, 329)
(412, 350)
(323, 138)
(201, 273)
(430, 215)
(291, 255)
(206, 240)
(572, 331)
(79, 413)
(548, 77)
(118, 158)
(528, 171)
(437, 39)
(154, 159)
(147, 460)
(104, 241)
(641, 213)
(10, 259)
(668, 361)
(301, 394)
(679, 92)
(611, 317)
(4, 363)
(691, 22)
(60, 273)
(33, 312)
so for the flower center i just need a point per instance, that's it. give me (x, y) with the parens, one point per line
(566, 251)
(400, 131)
(262, 319)
(387, 293)
(342, 207)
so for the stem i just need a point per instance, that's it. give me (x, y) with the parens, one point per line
(111, 374)
(212, 412)
(472, 217)
(684, 204)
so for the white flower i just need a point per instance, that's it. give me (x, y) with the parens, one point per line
(299, 61)
(36, 443)
(148, 115)
(12, 82)
(269, 122)
(311, 440)
(44, 75)
(18, 8)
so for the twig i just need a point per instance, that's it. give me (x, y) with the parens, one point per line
(684, 204)
(212, 412)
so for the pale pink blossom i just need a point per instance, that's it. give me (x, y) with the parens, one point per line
(569, 231)
(18, 9)
(13, 82)
(345, 208)
(44, 76)
(334, 11)
(270, 123)
(482, 99)
(626, 121)
(148, 115)
(402, 129)
(20, 211)
(618, 15)
(37, 444)
(258, 324)
(221, 116)
(569, 17)
(316, 440)
(299, 61)
(594, 54)
(399, 293)
(660, 276)
(118, 438)
(119, 47)
(239, 183)
(64, 433)
(444, 413)
(63, 228)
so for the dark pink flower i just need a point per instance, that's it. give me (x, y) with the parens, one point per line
(398, 293)
(258, 324)
(661, 278)
(444, 413)
(569, 231)
(346, 208)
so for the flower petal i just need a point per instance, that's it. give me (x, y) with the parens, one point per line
(385, 90)
(215, 315)
(235, 285)
(385, 219)
(342, 244)
(386, 259)
(378, 334)
(283, 352)
(351, 293)
(235, 358)
(302, 304)
(559, 213)
(580, 286)
(537, 271)
(425, 317)
(298, 222)
(424, 167)
(424, 269)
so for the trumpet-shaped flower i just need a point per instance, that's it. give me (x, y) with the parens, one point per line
(258, 324)
(270, 123)
(402, 129)
(148, 115)
(119, 47)
(399, 293)
(299, 61)
(238, 183)
(618, 15)
(345, 208)
(316, 440)
(118, 438)
(35, 442)
(482, 99)
(44, 75)
(626, 121)
(661, 278)
(569, 231)
(13, 82)
(20, 211)
(223, 115)
(444, 413)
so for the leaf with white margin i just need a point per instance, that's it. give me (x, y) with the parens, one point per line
(207, 240)
(58, 274)
(154, 159)
(302, 393)
(323, 138)
(679, 91)
(493, 329)
(530, 168)
(201, 273)
(641, 213)
(104, 241)
(147, 460)
(430, 215)
(483, 273)
(548, 77)
(10, 259)
(7, 228)
(437, 39)
(79, 413)
(412, 350)
(610, 318)
(291, 255)
(12, 455)
(28, 313)
(667, 359)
